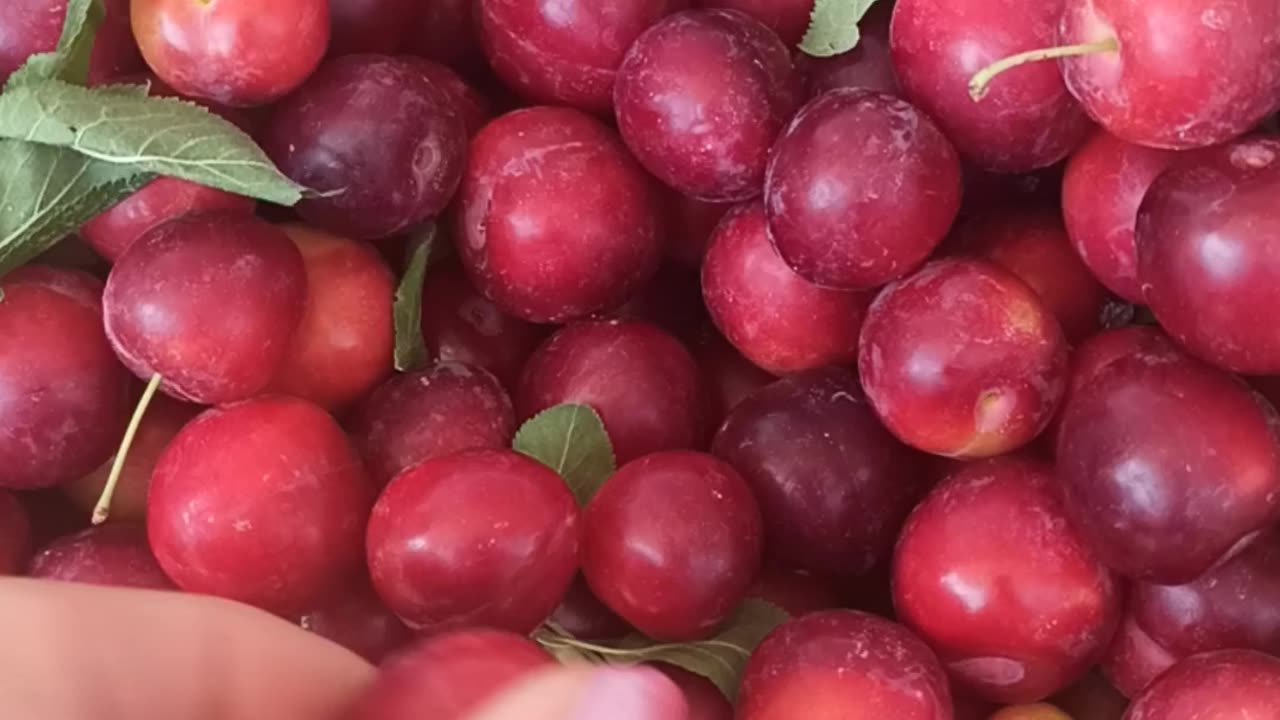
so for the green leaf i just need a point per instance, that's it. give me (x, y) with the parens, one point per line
(571, 440)
(47, 193)
(411, 349)
(833, 26)
(160, 135)
(720, 659)
(70, 60)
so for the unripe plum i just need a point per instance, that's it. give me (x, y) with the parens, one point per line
(117, 554)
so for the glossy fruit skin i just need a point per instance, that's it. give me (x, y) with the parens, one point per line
(1207, 251)
(1033, 244)
(1103, 186)
(34, 26)
(728, 375)
(1227, 607)
(671, 543)
(557, 220)
(465, 327)
(1133, 660)
(860, 189)
(963, 359)
(777, 319)
(867, 66)
(843, 661)
(116, 554)
(1147, 92)
(430, 413)
(379, 129)
(164, 418)
(210, 302)
(232, 51)
(157, 202)
(448, 676)
(721, 68)
(991, 575)
(64, 396)
(342, 348)
(566, 53)
(475, 108)
(15, 535)
(1028, 120)
(369, 26)
(834, 486)
(644, 384)
(358, 620)
(704, 699)
(447, 32)
(787, 18)
(1213, 686)
(582, 615)
(483, 538)
(1168, 465)
(215, 517)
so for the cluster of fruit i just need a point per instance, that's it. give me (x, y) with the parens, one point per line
(929, 378)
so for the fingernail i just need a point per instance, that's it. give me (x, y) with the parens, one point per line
(631, 693)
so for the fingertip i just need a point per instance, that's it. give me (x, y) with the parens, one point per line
(590, 693)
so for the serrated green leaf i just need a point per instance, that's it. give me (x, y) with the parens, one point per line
(46, 193)
(571, 440)
(833, 26)
(411, 349)
(159, 135)
(70, 60)
(720, 659)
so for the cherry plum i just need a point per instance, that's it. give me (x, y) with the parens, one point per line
(117, 554)
(700, 98)
(671, 543)
(1223, 685)
(843, 663)
(448, 676)
(1139, 84)
(963, 359)
(476, 109)
(704, 699)
(462, 326)
(1133, 659)
(860, 189)
(583, 616)
(644, 384)
(157, 202)
(777, 319)
(262, 501)
(426, 414)
(796, 593)
(369, 26)
(209, 302)
(788, 18)
(834, 486)
(566, 53)
(343, 346)
(358, 620)
(1103, 186)
(381, 131)
(448, 32)
(15, 534)
(28, 27)
(729, 376)
(232, 51)
(479, 538)
(1209, 256)
(991, 575)
(1027, 120)
(63, 395)
(1168, 465)
(558, 221)
(867, 66)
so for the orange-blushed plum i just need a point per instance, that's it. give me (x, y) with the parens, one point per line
(115, 554)
(1223, 685)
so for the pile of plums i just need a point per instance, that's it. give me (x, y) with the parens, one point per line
(973, 379)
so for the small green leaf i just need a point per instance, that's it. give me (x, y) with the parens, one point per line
(411, 349)
(833, 26)
(70, 60)
(160, 135)
(46, 193)
(571, 440)
(720, 659)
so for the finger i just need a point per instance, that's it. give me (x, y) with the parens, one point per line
(76, 652)
(587, 693)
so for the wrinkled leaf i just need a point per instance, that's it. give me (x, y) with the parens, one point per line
(70, 60)
(571, 440)
(411, 348)
(720, 659)
(166, 136)
(833, 26)
(47, 193)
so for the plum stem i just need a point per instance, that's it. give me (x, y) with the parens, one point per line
(981, 81)
(102, 510)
